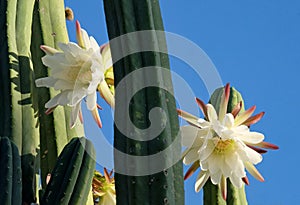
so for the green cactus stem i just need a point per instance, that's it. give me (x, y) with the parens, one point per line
(71, 179)
(211, 193)
(49, 28)
(10, 180)
(166, 186)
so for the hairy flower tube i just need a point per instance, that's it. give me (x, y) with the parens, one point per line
(77, 71)
(222, 144)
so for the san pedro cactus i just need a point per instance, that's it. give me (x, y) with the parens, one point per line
(166, 186)
(25, 25)
(71, 179)
(10, 172)
(49, 28)
(212, 193)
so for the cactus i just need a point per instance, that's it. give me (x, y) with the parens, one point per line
(71, 179)
(49, 28)
(165, 187)
(212, 193)
(10, 180)
(25, 25)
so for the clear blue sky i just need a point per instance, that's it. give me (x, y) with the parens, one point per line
(254, 46)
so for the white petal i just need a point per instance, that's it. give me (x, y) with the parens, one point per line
(85, 38)
(206, 150)
(70, 49)
(231, 160)
(214, 163)
(45, 82)
(63, 85)
(236, 181)
(74, 114)
(253, 137)
(216, 178)
(54, 61)
(189, 134)
(191, 156)
(241, 129)
(228, 120)
(60, 99)
(211, 112)
(226, 168)
(91, 101)
(94, 45)
(201, 180)
(253, 156)
(76, 96)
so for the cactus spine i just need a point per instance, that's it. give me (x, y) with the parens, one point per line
(10, 180)
(212, 194)
(165, 187)
(72, 176)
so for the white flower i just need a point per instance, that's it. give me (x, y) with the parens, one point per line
(76, 71)
(222, 145)
(104, 188)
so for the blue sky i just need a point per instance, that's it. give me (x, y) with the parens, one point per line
(255, 46)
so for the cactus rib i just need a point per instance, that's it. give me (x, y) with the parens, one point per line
(124, 17)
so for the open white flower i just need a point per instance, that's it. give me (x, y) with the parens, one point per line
(222, 144)
(76, 71)
(104, 188)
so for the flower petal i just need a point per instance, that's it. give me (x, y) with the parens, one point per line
(201, 180)
(211, 112)
(224, 102)
(189, 134)
(60, 99)
(74, 113)
(236, 181)
(228, 120)
(106, 93)
(91, 101)
(253, 171)
(223, 187)
(45, 82)
(216, 177)
(191, 170)
(244, 116)
(191, 156)
(253, 156)
(251, 137)
(202, 106)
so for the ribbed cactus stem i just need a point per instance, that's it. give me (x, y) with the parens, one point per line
(212, 193)
(71, 179)
(49, 28)
(10, 180)
(166, 186)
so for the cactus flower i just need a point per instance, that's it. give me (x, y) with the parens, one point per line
(222, 144)
(77, 71)
(104, 188)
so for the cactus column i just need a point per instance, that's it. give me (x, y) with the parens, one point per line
(165, 187)
(212, 194)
